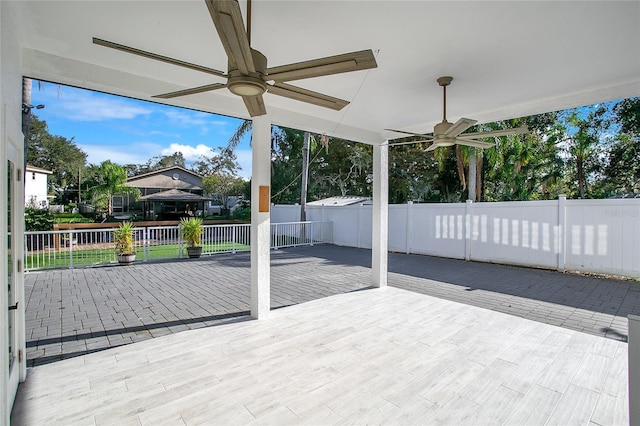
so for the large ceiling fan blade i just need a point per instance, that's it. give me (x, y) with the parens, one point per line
(422, 135)
(255, 105)
(459, 127)
(156, 57)
(347, 62)
(191, 91)
(308, 96)
(227, 18)
(409, 143)
(493, 133)
(474, 143)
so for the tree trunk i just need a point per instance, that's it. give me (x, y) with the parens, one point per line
(305, 177)
(473, 175)
(581, 179)
(460, 164)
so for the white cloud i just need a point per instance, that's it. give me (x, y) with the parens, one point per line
(81, 105)
(97, 154)
(189, 152)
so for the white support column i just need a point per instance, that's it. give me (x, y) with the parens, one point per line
(634, 369)
(260, 217)
(379, 240)
(467, 230)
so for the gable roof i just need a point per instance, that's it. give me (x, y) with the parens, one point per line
(160, 171)
(175, 177)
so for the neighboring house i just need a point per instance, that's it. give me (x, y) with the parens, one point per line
(166, 194)
(36, 187)
(347, 200)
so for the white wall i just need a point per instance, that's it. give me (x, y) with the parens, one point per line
(601, 236)
(35, 189)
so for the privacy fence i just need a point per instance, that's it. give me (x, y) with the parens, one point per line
(599, 236)
(90, 247)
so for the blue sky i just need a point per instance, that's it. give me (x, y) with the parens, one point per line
(123, 130)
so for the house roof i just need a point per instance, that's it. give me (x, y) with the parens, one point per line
(38, 170)
(167, 178)
(174, 195)
(159, 171)
(347, 200)
(499, 54)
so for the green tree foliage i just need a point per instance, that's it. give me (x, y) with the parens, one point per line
(57, 154)
(110, 179)
(338, 168)
(156, 163)
(223, 186)
(222, 160)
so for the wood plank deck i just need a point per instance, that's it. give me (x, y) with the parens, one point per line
(383, 356)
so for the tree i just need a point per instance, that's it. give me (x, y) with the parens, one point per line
(223, 186)
(221, 161)
(583, 130)
(57, 154)
(110, 180)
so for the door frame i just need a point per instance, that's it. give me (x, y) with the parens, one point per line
(12, 149)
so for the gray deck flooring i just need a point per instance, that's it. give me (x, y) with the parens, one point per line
(75, 312)
(378, 356)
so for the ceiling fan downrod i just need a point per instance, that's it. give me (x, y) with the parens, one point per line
(444, 82)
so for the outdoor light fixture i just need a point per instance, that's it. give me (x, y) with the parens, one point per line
(246, 85)
(26, 108)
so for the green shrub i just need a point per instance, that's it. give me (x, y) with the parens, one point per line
(37, 219)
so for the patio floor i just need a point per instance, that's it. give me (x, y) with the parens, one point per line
(371, 356)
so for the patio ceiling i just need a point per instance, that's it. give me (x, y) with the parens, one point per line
(508, 59)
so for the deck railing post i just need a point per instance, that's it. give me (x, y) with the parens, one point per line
(70, 249)
(634, 369)
(233, 238)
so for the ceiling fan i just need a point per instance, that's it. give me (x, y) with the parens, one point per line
(448, 134)
(248, 75)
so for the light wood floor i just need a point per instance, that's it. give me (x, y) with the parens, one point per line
(380, 356)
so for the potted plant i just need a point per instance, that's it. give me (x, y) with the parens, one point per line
(125, 249)
(191, 230)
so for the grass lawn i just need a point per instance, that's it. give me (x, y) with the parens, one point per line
(87, 257)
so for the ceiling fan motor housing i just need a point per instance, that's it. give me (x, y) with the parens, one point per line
(251, 84)
(438, 134)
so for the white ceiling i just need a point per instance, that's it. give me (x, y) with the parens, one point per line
(508, 59)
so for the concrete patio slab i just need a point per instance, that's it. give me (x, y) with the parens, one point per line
(383, 356)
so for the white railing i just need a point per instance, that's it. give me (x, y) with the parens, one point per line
(292, 234)
(89, 247)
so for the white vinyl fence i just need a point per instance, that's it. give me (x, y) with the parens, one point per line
(599, 236)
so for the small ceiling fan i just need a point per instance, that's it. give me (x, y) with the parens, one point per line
(248, 75)
(448, 134)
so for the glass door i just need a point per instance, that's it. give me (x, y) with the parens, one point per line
(13, 297)
(11, 286)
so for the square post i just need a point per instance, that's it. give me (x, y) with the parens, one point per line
(260, 217)
(380, 232)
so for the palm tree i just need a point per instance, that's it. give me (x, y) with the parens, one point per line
(111, 179)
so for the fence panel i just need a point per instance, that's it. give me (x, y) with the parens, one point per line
(604, 236)
(517, 233)
(601, 236)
